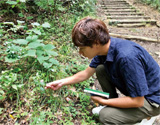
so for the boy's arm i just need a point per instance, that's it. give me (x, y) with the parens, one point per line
(123, 102)
(78, 77)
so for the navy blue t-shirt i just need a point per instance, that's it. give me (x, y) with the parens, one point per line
(132, 69)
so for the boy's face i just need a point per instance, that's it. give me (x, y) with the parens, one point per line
(88, 51)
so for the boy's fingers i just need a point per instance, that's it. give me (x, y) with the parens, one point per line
(48, 87)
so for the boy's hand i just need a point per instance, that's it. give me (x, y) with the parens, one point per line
(55, 85)
(98, 99)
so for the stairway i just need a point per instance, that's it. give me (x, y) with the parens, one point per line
(121, 14)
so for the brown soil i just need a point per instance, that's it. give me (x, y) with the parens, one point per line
(149, 31)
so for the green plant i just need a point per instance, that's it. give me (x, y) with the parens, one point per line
(31, 47)
(40, 118)
(12, 7)
(9, 84)
(154, 3)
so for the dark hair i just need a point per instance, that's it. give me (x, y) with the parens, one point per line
(89, 31)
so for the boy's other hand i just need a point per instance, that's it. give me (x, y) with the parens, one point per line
(55, 85)
(98, 99)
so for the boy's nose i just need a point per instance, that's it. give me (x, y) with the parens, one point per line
(80, 52)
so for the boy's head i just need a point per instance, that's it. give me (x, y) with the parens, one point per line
(89, 31)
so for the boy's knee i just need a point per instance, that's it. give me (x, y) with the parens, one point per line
(105, 117)
(100, 69)
(109, 115)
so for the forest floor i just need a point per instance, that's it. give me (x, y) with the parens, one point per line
(149, 31)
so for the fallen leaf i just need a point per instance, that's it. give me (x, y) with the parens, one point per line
(11, 116)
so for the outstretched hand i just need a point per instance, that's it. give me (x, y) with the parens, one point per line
(55, 85)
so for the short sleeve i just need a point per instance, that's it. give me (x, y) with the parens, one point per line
(95, 62)
(133, 74)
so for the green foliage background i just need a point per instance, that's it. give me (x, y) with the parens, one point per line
(36, 48)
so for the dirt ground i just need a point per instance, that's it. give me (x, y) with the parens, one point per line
(149, 31)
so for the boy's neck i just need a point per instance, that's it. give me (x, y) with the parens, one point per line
(103, 49)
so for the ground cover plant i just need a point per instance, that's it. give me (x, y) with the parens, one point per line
(36, 48)
(154, 3)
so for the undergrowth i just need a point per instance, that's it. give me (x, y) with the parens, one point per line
(153, 3)
(36, 48)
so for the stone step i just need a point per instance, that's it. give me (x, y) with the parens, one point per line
(117, 7)
(132, 21)
(117, 4)
(121, 11)
(128, 17)
(115, 1)
(131, 25)
(124, 14)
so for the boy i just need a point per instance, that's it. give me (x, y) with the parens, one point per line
(120, 64)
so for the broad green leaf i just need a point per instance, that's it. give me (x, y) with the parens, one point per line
(36, 31)
(42, 89)
(20, 22)
(13, 76)
(53, 53)
(12, 2)
(31, 53)
(1, 98)
(32, 38)
(19, 86)
(39, 40)
(14, 87)
(53, 61)
(10, 60)
(16, 69)
(46, 25)
(35, 24)
(39, 53)
(41, 59)
(30, 17)
(49, 47)
(11, 23)
(16, 48)
(21, 15)
(47, 65)
(35, 45)
(1, 109)
(20, 41)
(2, 92)
(60, 8)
